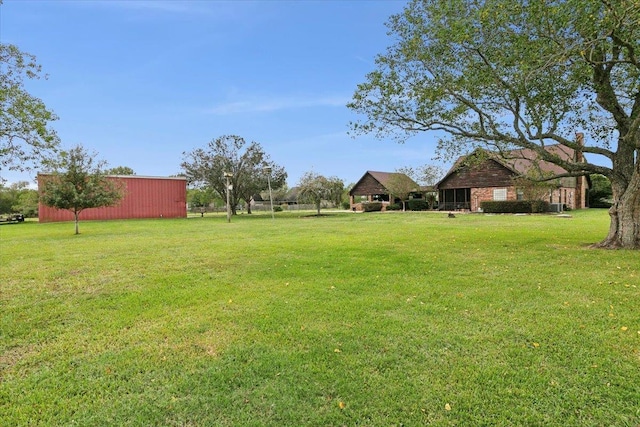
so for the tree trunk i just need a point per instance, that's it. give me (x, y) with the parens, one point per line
(624, 230)
(318, 207)
(77, 214)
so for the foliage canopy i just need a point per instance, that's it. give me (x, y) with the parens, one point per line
(315, 188)
(25, 135)
(246, 162)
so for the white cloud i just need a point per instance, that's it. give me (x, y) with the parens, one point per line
(258, 105)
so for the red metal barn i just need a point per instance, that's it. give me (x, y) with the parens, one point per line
(145, 197)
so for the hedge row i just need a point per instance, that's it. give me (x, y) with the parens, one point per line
(411, 205)
(372, 206)
(417, 205)
(515, 206)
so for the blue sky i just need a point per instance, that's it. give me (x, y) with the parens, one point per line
(141, 82)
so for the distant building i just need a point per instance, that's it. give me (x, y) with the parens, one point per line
(145, 197)
(373, 187)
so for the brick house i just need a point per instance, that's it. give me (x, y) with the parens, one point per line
(485, 176)
(372, 187)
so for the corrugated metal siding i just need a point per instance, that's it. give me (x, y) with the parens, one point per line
(146, 197)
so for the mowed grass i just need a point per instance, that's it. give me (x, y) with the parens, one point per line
(348, 319)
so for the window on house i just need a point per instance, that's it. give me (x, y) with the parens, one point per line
(519, 194)
(500, 194)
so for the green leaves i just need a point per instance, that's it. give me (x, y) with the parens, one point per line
(245, 161)
(78, 183)
(25, 135)
(314, 188)
(497, 69)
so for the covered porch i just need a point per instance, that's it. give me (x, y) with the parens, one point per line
(454, 199)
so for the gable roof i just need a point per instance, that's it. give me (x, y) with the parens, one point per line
(292, 195)
(382, 178)
(521, 161)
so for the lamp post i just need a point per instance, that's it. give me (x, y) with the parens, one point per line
(267, 169)
(228, 175)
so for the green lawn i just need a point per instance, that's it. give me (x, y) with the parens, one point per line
(348, 319)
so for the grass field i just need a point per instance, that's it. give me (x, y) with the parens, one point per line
(348, 319)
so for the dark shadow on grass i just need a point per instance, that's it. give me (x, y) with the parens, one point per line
(318, 216)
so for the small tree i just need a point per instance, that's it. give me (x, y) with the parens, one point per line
(400, 185)
(431, 200)
(534, 188)
(200, 198)
(315, 188)
(336, 190)
(77, 183)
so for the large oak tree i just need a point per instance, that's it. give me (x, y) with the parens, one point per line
(246, 162)
(519, 73)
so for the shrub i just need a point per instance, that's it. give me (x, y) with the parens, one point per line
(417, 205)
(277, 208)
(538, 206)
(515, 206)
(394, 207)
(372, 206)
(346, 205)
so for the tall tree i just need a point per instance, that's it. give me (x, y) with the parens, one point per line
(27, 203)
(246, 162)
(78, 182)
(315, 189)
(25, 135)
(519, 73)
(10, 197)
